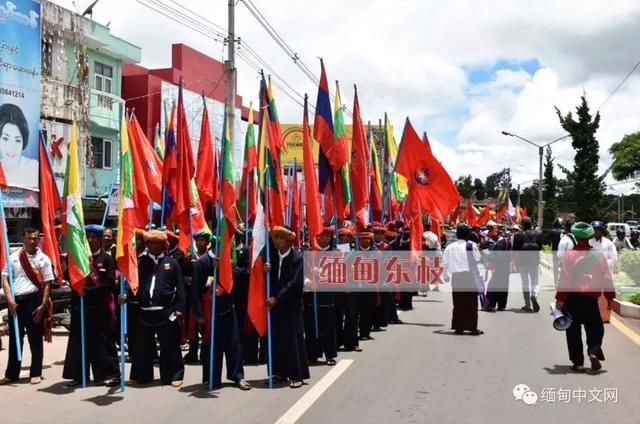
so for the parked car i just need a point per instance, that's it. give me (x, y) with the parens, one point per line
(612, 228)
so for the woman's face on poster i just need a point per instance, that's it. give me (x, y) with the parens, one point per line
(11, 142)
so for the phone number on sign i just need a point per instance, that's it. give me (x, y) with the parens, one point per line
(12, 93)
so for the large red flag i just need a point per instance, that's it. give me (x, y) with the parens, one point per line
(469, 214)
(49, 204)
(206, 169)
(312, 198)
(147, 175)
(425, 175)
(359, 162)
(485, 215)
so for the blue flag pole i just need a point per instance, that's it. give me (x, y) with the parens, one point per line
(214, 285)
(82, 344)
(111, 187)
(12, 287)
(123, 334)
(268, 281)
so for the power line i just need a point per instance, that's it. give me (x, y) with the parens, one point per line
(206, 30)
(620, 85)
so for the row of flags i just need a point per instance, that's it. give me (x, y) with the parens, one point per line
(355, 182)
(503, 211)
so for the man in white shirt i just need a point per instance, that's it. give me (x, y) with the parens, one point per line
(30, 302)
(600, 242)
(431, 244)
(463, 289)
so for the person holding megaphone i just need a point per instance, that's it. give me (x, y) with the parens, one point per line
(584, 276)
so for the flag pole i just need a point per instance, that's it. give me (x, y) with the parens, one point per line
(214, 285)
(385, 168)
(370, 142)
(268, 280)
(82, 344)
(123, 333)
(12, 287)
(113, 183)
(246, 209)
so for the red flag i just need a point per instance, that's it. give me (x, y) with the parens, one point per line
(296, 215)
(206, 170)
(425, 175)
(148, 183)
(180, 187)
(359, 161)
(312, 200)
(414, 217)
(49, 204)
(485, 215)
(469, 214)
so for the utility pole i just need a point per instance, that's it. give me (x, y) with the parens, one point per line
(230, 69)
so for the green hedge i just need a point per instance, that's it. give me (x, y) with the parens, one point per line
(629, 262)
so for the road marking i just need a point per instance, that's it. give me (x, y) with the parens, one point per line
(625, 330)
(304, 403)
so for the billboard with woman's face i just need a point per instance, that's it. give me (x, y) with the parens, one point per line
(20, 91)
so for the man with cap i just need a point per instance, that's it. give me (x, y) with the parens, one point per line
(190, 329)
(584, 277)
(366, 299)
(347, 309)
(320, 314)
(161, 297)
(226, 336)
(285, 304)
(528, 244)
(463, 290)
(100, 320)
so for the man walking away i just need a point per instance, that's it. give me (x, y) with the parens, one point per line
(528, 244)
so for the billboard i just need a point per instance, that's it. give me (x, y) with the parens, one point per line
(20, 92)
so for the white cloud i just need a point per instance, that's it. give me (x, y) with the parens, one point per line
(408, 59)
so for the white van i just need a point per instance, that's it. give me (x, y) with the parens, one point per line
(612, 227)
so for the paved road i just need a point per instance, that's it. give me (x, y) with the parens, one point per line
(414, 373)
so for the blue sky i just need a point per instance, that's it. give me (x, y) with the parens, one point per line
(478, 75)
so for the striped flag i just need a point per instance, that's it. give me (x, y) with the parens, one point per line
(343, 192)
(79, 258)
(125, 241)
(228, 199)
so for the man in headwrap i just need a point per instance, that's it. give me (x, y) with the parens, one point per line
(100, 320)
(383, 300)
(226, 332)
(320, 314)
(190, 328)
(584, 276)
(285, 305)
(347, 305)
(456, 261)
(161, 297)
(366, 299)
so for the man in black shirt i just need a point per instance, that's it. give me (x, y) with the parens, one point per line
(528, 244)
(100, 320)
(161, 300)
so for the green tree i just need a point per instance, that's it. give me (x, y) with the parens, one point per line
(550, 191)
(626, 157)
(465, 186)
(589, 187)
(478, 188)
(497, 181)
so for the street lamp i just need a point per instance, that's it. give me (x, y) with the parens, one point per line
(541, 154)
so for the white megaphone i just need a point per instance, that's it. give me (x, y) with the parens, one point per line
(561, 321)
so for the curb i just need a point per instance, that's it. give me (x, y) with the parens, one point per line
(626, 309)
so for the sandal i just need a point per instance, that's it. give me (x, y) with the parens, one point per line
(295, 384)
(476, 332)
(112, 382)
(331, 362)
(357, 349)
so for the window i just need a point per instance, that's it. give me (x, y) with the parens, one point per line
(104, 77)
(47, 58)
(101, 149)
